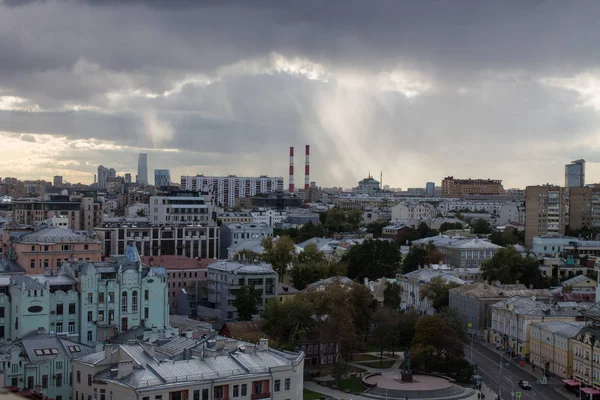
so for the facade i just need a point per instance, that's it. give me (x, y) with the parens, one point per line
(575, 174)
(580, 284)
(142, 175)
(268, 217)
(412, 284)
(227, 189)
(546, 212)
(103, 175)
(472, 302)
(277, 200)
(162, 177)
(236, 233)
(502, 211)
(430, 189)
(584, 207)
(394, 231)
(183, 207)
(462, 252)
(411, 211)
(512, 317)
(225, 278)
(457, 188)
(368, 186)
(221, 369)
(49, 247)
(551, 346)
(156, 240)
(226, 218)
(586, 357)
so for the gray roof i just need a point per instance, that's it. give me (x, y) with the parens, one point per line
(576, 279)
(486, 291)
(459, 242)
(177, 346)
(318, 285)
(529, 306)
(254, 245)
(568, 329)
(33, 282)
(426, 275)
(10, 266)
(54, 235)
(241, 268)
(42, 347)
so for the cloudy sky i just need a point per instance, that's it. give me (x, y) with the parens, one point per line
(492, 89)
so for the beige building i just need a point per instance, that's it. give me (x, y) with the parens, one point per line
(546, 212)
(586, 357)
(551, 346)
(457, 188)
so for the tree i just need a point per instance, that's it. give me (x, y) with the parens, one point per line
(508, 266)
(376, 228)
(437, 292)
(433, 256)
(480, 226)
(504, 239)
(446, 226)
(415, 258)
(372, 259)
(279, 254)
(303, 275)
(246, 302)
(247, 256)
(386, 322)
(285, 322)
(435, 343)
(458, 326)
(339, 371)
(391, 295)
(141, 212)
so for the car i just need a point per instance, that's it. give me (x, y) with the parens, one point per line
(524, 385)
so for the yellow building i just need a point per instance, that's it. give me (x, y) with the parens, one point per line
(511, 319)
(586, 357)
(551, 344)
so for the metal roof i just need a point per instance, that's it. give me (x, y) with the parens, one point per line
(54, 235)
(240, 268)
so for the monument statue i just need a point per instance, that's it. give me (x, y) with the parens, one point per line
(407, 360)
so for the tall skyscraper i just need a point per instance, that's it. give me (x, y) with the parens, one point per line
(575, 174)
(142, 175)
(162, 177)
(102, 175)
(57, 181)
(430, 189)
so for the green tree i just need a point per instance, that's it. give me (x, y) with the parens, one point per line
(246, 302)
(458, 326)
(508, 266)
(437, 292)
(436, 341)
(480, 226)
(372, 259)
(446, 226)
(303, 274)
(414, 259)
(279, 254)
(339, 371)
(286, 322)
(386, 322)
(376, 228)
(247, 256)
(391, 295)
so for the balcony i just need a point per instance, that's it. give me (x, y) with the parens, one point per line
(259, 396)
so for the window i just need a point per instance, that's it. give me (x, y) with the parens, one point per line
(102, 394)
(30, 382)
(158, 397)
(90, 314)
(59, 380)
(146, 398)
(146, 294)
(146, 312)
(204, 394)
(32, 248)
(196, 395)
(89, 380)
(59, 309)
(89, 336)
(257, 387)
(236, 390)
(71, 326)
(71, 308)
(2, 333)
(32, 263)
(287, 383)
(59, 365)
(101, 297)
(134, 301)
(58, 263)
(59, 327)
(86, 247)
(45, 381)
(46, 248)
(124, 302)
(78, 376)
(111, 297)
(100, 315)
(1, 312)
(218, 392)
(90, 298)
(277, 385)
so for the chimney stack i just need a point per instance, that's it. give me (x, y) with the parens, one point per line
(291, 188)
(307, 169)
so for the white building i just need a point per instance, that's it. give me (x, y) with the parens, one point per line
(235, 233)
(268, 217)
(411, 211)
(189, 207)
(414, 282)
(502, 211)
(228, 188)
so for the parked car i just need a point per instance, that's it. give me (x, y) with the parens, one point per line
(524, 385)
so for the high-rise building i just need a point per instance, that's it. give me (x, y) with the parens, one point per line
(128, 178)
(430, 188)
(162, 177)
(142, 175)
(57, 181)
(226, 189)
(575, 174)
(546, 211)
(456, 188)
(103, 174)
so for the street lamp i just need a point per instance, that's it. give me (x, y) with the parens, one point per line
(471, 332)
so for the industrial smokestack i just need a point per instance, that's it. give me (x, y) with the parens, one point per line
(307, 169)
(291, 188)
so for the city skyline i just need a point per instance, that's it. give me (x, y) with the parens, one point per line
(412, 95)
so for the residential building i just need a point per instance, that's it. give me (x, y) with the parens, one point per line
(412, 285)
(472, 302)
(38, 250)
(134, 197)
(220, 369)
(42, 361)
(457, 188)
(368, 186)
(226, 218)
(103, 174)
(394, 231)
(511, 319)
(546, 212)
(502, 211)
(462, 252)
(182, 207)
(156, 240)
(232, 234)
(225, 278)
(286, 292)
(268, 216)
(57, 181)
(551, 346)
(142, 175)
(575, 174)
(579, 284)
(430, 189)
(586, 357)
(406, 210)
(253, 245)
(162, 177)
(227, 189)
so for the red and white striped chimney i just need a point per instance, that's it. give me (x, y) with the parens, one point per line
(291, 188)
(307, 169)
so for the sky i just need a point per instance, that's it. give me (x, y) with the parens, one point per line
(417, 89)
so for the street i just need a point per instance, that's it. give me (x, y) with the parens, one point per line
(489, 368)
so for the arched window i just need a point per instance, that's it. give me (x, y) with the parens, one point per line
(124, 302)
(134, 301)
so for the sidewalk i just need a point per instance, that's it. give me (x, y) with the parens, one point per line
(489, 394)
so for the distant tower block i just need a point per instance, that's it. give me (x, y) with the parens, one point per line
(307, 169)
(291, 188)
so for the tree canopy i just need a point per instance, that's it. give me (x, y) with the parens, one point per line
(446, 226)
(391, 295)
(437, 292)
(247, 256)
(308, 267)
(246, 302)
(419, 255)
(372, 259)
(279, 254)
(480, 226)
(508, 266)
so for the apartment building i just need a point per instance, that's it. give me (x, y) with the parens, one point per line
(551, 346)
(472, 302)
(457, 188)
(232, 234)
(182, 207)
(155, 240)
(225, 278)
(546, 212)
(502, 211)
(37, 250)
(219, 369)
(413, 211)
(586, 357)
(268, 216)
(227, 189)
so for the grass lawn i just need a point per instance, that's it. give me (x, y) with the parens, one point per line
(327, 369)
(375, 364)
(351, 383)
(310, 395)
(363, 357)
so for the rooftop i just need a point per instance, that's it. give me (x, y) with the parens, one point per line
(241, 268)
(568, 329)
(577, 279)
(176, 262)
(426, 275)
(531, 306)
(51, 235)
(485, 290)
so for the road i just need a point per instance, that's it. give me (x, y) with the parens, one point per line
(488, 366)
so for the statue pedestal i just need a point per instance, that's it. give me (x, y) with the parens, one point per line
(407, 377)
